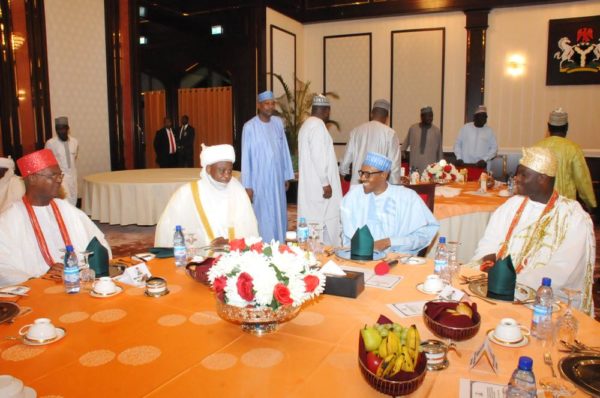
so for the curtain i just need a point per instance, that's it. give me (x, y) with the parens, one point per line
(154, 114)
(210, 113)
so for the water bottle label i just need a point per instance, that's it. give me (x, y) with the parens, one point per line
(438, 265)
(71, 274)
(179, 251)
(540, 314)
(302, 234)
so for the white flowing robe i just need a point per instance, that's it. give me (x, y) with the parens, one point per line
(372, 136)
(398, 213)
(475, 143)
(318, 168)
(565, 249)
(225, 208)
(69, 182)
(12, 189)
(20, 255)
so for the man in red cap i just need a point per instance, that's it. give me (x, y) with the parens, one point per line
(35, 229)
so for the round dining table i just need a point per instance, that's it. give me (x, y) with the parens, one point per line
(132, 345)
(132, 196)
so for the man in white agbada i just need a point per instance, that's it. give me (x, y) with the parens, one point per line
(215, 208)
(35, 229)
(476, 142)
(373, 136)
(546, 234)
(11, 186)
(319, 187)
(396, 216)
(65, 149)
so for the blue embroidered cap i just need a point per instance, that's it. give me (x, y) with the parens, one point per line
(265, 95)
(378, 161)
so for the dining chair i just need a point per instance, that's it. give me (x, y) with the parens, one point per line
(427, 193)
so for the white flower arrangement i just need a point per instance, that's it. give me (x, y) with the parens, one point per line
(440, 171)
(258, 274)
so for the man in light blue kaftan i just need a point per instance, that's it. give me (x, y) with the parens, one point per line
(267, 168)
(397, 217)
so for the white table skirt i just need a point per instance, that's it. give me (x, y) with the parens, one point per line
(132, 196)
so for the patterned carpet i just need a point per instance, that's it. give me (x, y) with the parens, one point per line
(131, 239)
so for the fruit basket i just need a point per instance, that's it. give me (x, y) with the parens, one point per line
(402, 383)
(456, 333)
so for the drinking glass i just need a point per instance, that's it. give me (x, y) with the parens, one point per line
(567, 325)
(453, 264)
(314, 240)
(86, 274)
(557, 387)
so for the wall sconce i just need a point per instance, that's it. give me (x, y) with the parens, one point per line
(515, 65)
(17, 41)
(143, 40)
(21, 95)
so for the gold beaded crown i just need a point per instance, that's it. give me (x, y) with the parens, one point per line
(539, 159)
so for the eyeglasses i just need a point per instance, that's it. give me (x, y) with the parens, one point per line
(53, 176)
(367, 174)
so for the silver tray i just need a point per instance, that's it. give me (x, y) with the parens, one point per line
(345, 255)
(522, 292)
(583, 370)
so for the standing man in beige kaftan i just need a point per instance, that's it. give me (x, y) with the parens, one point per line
(319, 187)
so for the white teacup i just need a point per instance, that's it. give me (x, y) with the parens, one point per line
(105, 285)
(41, 329)
(433, 283)
(509, 331)
(11, 387)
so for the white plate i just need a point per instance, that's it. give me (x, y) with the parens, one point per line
(145, 256)
(412, 260)
(494, 340)
(19, 290)
(118, 290)
(60, 333)
(345, 254)
(420, 288)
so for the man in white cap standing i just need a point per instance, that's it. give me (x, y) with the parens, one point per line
(267, 168)
(65, 149)
(572, 176)
(424, 140)
(396, 216)
(373, 136)
(215, 208)
(319, 187)
(11, 186)
(476, 143)
(545, 234)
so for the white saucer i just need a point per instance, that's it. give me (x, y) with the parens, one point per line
(422, 290)
(118, 289)
(412, 260)
(19, 290)
(493, 339)
(60, 333)
(145, 256)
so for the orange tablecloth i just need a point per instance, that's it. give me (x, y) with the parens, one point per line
(467, 203)
(131, 345)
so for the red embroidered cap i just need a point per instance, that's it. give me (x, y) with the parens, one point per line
(36, 161)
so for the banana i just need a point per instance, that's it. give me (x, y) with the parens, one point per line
(382, 351)
(386, 366)
(398, 364)
(409, 365)
(412, 342)
(393, 343)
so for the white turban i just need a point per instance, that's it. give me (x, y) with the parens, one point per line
(216, 153)
(7, 163)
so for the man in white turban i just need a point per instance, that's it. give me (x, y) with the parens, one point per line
(545, 234)
(65, 148)
(11, 186)
(215, 208)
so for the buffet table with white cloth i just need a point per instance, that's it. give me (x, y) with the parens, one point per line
(132, 196)
(131, 345)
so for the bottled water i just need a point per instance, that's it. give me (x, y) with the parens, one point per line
(511, 184)
(179, 249)
(71, 271)
(541, 323)
(522, 381)
(441, 258)
(302, 231)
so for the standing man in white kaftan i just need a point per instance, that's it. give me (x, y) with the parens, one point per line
(546, 234)
(215, 208)
(267, 168)
(319, 187)
(373, 136)
(35, 229)
(11, 186)
(65, 149)
(397, 217)
(476, 142)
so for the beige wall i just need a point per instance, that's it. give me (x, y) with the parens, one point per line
(518, 106)
(77, 72)
(295, 27)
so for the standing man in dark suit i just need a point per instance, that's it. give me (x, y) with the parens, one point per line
(165, 145)
(185, 143)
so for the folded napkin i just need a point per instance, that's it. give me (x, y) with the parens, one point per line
(162, 252)
(502, 280)
(331, 268)
(98, 260)
(361, 245)
(447, 192)
(438, 311)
